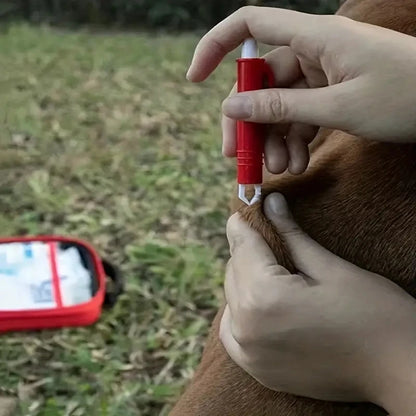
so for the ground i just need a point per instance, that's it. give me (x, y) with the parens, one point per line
(102, 138)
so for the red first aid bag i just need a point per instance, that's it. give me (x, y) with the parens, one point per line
(52, 282)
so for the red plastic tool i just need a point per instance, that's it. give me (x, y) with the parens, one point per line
(252, 74)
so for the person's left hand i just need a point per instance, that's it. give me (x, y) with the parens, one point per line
(331, 332)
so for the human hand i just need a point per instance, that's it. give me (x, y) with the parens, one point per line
(331, 72)
(331, 332)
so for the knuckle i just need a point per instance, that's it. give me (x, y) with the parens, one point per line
(215, 45)
(332, 24)
(274, 299)
(245, 10)
(329, 22)
(273, 105)
(303, 40)
(313, 39)
(242, 336)
(341, 21)
(244, 330)
(238, 335)
(292, 231)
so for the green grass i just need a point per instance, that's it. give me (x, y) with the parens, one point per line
(102, 138)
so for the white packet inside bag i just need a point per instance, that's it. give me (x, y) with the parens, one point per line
(26, 279)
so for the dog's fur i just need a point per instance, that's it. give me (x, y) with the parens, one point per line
(358, 199)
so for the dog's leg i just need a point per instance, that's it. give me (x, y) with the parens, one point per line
(220, 388)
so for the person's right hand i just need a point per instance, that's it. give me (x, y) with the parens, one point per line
(331, 72)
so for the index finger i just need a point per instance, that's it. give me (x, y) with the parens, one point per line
(268, 25)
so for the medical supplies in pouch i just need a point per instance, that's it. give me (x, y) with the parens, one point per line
(52, 281)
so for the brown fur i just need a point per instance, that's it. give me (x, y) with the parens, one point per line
(358, 199)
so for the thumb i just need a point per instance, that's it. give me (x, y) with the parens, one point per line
(279, 105)
(309, 257)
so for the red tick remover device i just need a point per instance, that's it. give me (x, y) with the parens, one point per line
(252, 74)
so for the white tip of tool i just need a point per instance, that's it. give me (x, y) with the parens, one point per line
(242, 194)
(257, 194)
(250, 49)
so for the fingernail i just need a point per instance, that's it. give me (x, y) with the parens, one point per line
(276, 203)
(238, 107)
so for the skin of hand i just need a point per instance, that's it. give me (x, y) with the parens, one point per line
(330, 72)
(331, 332)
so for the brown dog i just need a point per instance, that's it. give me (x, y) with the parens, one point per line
(357, 199)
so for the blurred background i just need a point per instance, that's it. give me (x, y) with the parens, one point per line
(150, 14)
(102, 138)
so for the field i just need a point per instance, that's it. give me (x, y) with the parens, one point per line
(102, 138)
